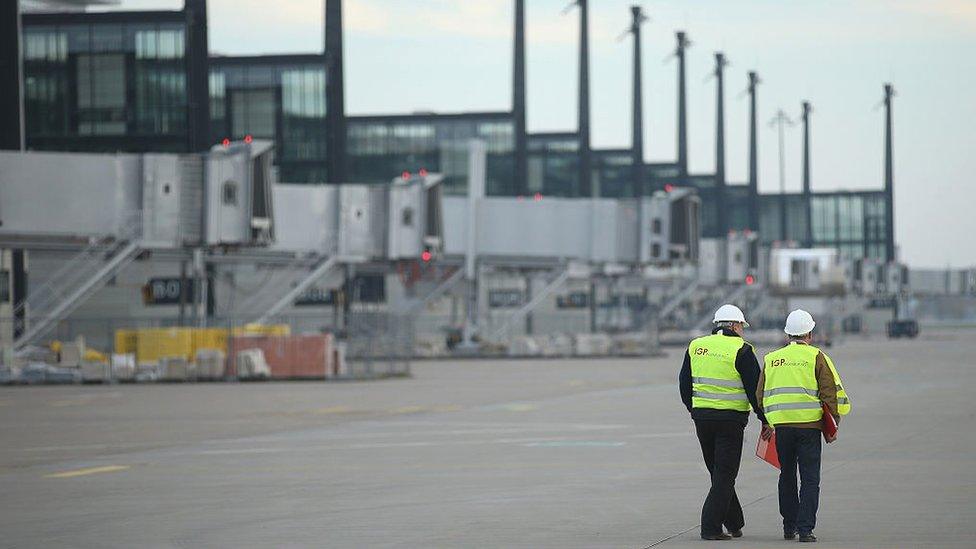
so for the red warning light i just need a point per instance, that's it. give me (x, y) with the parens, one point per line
(668, 188)
(426, 256)
(537, 197)
(750, 280)
(225, 142)
(423, 172)
(248, 138)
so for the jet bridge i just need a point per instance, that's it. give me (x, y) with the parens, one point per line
(107, 210)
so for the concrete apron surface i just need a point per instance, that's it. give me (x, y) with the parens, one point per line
(563, 453)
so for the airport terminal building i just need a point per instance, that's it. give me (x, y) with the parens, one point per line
(135, 82)
(144, 83)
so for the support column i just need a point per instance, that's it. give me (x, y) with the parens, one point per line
(889, 178)
(211, 272)
(184, 286)
(723, 217)
(521, 186)
(808, 237)
(19, 290)
(11, 81)
(753, 156)
(12, 136)
(198, 78)
(592, 304)
(637, 114)
(683, 44)
(585, 158)
(335, 115)
(528, 297)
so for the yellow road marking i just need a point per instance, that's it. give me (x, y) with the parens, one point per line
(448, 408)
(88, 471)
(520, 407)
(332, 410)
(408, 410)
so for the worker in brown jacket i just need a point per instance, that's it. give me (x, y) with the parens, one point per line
(798, 381)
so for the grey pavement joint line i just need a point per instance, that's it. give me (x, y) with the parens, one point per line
(854, 459)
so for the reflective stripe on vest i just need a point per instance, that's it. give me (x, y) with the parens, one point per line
(721, 396)
(843, 401)
(790, 392)
(792, 406)
(715, 382)
(720, 382)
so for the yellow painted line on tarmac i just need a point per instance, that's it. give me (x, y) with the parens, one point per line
(447, 408)
(408, 409)
(88, 471)
(520, 407)
(332, 410)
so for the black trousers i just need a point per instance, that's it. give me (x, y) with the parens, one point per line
(799, 447)
(721, 444)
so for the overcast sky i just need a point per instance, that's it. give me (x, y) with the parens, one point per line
(455, 55)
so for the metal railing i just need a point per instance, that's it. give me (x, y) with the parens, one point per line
(77, 278)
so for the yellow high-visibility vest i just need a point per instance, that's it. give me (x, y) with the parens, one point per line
(714, 380)
(791, 392)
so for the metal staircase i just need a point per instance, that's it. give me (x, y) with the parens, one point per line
(300, 284)
(446, 285)
(735, 296)
(532, 304)
(76, 280)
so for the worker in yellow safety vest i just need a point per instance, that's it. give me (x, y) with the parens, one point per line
(718, 382)
(796, 383)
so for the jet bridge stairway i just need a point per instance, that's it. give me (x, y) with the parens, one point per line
(77, 280)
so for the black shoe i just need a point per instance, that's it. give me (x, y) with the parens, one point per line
(789, 534)
(808, 538)
(736, 533)
(722, 536)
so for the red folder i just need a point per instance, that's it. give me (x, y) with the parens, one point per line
(829, 423)
(766, 451)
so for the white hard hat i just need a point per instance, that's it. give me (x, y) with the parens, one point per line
(799, 323)
(730, 313)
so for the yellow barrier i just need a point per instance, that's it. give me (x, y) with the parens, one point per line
(152, 344)
(209, 338)
(125, 341)
(262, 330)
(155, 343)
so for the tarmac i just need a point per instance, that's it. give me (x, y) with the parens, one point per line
(476, 453)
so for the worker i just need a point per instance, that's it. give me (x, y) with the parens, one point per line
(718, 383)
(796, 382)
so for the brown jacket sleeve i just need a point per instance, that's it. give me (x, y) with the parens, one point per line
(826, 386)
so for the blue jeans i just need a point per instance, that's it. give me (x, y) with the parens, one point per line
(799, 447)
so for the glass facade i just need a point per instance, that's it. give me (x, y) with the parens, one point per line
(854, 223)
(553, 164)
(380, 148)
(661, 174)
(737, 197)
(106, 86)
(281, 98)
(770, 218)
(851, 222)
(613, 173)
